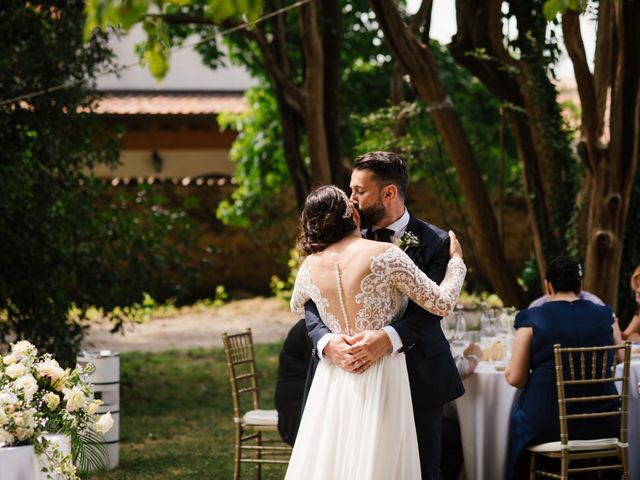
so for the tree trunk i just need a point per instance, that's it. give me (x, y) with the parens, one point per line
(419, 62)
(528, 98)
(291, 144)
(615, 165)
(331, 44)
(313, 95)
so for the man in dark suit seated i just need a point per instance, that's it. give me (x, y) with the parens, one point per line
(292, 372)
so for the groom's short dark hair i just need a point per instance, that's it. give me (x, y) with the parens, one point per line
(388, 167)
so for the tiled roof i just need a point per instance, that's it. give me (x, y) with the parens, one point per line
(162, 103)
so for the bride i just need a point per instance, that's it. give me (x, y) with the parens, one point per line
(360, 426)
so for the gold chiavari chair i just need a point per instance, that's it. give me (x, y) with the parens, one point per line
(256, 433)
(595, 365)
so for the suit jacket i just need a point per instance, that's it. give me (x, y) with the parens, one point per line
(433, 375)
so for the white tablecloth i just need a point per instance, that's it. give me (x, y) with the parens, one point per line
(634, 417)
(483, 413)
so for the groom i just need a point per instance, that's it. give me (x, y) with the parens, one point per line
(379, 187)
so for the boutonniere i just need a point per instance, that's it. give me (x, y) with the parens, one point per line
(408, 240)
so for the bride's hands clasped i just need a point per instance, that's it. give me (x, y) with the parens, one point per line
(455, 250)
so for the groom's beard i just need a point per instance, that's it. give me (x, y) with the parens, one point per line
(372, 215)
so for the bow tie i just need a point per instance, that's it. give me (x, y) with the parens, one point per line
(380, 235)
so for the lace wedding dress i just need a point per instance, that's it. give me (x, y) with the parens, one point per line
(361, 426)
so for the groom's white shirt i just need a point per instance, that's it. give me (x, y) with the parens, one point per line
(398, 227)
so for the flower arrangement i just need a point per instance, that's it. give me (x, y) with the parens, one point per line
(39, 398)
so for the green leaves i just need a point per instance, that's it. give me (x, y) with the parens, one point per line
(104, 13)
(220, 10)
(554, 7)
(157, 48)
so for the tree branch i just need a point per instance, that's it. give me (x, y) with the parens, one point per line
(422, 17)
(584, 80)
(292, 94)
(602, 68)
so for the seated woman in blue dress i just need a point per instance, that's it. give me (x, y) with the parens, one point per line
(571, 322)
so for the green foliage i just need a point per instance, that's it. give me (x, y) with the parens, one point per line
(283, 289)
(261, 170)
(553, 7)
(47, 142)
(408, 129)
(156, 50)
(66, 245)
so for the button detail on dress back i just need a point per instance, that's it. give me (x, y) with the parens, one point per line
(341, 299)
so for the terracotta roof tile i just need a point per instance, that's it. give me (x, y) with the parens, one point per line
(186, 103)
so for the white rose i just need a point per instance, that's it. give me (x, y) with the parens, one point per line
(52, 400)
(4, 419)
(23, 348)
(16, 370)
(93, 406)
(8, 398)
(28, 385)
(5, 438)
(9, 359)
(104, 423)
(49, 368)
(75, 398)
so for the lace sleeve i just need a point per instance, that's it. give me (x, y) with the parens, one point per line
(404, 275)
(300, 294)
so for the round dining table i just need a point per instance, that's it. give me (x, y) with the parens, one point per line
(484, 410)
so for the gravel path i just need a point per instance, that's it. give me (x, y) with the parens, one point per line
(269, 319)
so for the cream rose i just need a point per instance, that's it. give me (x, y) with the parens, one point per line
(23, 348)
(24, 433)
(93, 406)
(4, 419)
(16, 370)
(61, 383)
(104, 423)
(52, 400)
(75, 398)
(9, 359)
(50, 368)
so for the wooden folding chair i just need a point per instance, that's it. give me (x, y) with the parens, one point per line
(596, 365)
(251, 446)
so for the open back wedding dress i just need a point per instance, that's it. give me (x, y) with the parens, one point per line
(361, 426)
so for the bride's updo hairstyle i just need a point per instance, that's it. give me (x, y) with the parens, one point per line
(565, 275)
(326, 218)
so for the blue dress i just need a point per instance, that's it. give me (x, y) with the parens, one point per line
(534, 417)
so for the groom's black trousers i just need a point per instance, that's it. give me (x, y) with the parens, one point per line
(429, 440)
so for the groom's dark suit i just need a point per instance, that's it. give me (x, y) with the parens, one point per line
(433, 375)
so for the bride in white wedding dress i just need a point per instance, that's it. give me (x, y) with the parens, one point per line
(360, 426)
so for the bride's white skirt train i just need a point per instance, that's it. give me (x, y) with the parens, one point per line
(357, 426)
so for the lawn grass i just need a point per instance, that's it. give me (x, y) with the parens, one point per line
(176, 415)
